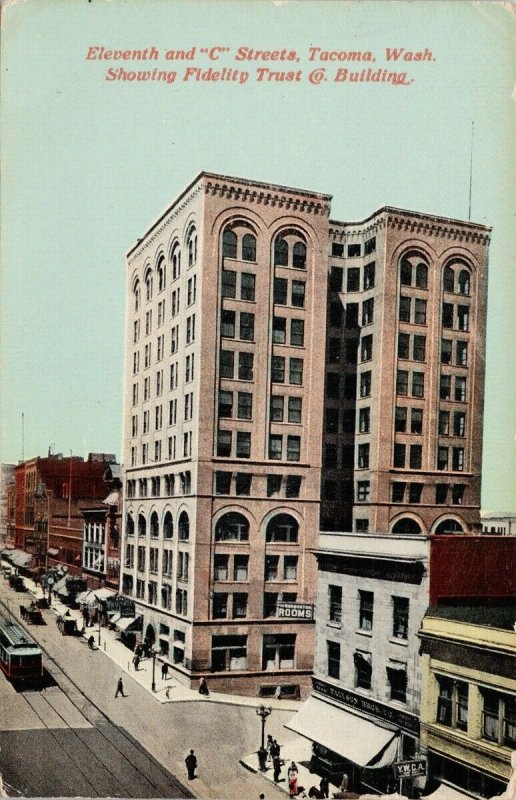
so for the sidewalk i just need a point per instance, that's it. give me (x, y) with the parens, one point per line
(168, 690)
(295, 749)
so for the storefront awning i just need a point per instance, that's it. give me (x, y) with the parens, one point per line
(352, 737)
(103, 594)
(126, 623)
(20, 558)
(53, 551)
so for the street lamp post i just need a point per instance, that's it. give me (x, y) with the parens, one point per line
(153, 670)
(263, 713)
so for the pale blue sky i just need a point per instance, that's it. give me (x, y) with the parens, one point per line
(88, 164)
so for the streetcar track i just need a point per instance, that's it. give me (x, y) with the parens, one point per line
(57, 671)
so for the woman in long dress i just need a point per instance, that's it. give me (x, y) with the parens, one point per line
(292, 780)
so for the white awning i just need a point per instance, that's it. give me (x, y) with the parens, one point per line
(444, 792)
(125, 623)
(53, 551)
(103, 594)
(352, 737)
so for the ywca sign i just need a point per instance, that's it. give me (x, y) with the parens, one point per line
(410, 769)
(295, 610)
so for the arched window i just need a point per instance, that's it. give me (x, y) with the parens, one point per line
(248, 247)
(154, 525)
(299, 255)
(281, 253)
(232, 527)
(161, 274)
(137, 294)
(129, 525)
(229, 244)
(406, 525)
(168, 526)
(192, 247)
(142, 525)
(175, 259)
(464, 281)
(406, 273)
(148, 284)
(184, 526)
(282, 528)
(449, 526)
(448, 280)
(421, 276)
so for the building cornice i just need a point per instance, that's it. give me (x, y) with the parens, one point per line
(267, 195)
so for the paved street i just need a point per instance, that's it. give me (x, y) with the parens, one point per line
(75, 738)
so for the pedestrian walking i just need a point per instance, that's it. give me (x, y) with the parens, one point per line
(324, 786)
(292, 780)
(203, 687)
(120, 688)
(91, 642)
(164, 671)
(136, 662)
(270, 743)
(191, 765)
(277, 763)
(275, 749)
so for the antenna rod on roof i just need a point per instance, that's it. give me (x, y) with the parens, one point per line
(471, 168)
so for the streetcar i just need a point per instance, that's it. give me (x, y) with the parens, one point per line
(20, 656)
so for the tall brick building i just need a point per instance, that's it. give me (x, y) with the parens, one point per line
(233, 374)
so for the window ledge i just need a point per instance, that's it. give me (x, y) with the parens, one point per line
(363, 632)
(396, 640)
(332, 624)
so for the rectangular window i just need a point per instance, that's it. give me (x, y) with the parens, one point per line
(418, 384)
(420, 311)
(403, 345)
(297, 332)
(363, 670)
(278, 369)
(279, 330)
(459, 423)
(245, 405)
(296, 371)
(247, 286)
(397, 677)
(364, 420)
(228, 653)
(419, 348)
(271, 568)
(240, 568)
(292, 486)
(228, 288)
(174, 339)
(293, 448)
(227, 364)
(363, 456)
(276, 408)
(447, 315)
(243, 444)
(366, 602)
(354, 250)
(463, 318)
(370, 246)
(462, 354)
(191, 290)
(446, 351)
(460, 389)
(298, 294)
(365, 384)
(337, 249)
(243, 483)
(220, 605)
(333, 385)
(404, 309)
(445, 387)
(416, 456)
(280, 291)
(444, 423)
(400, 419)
(458, 459)
(441, 493)
(222, 482)
(278, 651)
(224, 443)
(399, 455)
(402, 382)
(335, 603)
(369, 276)
(290, 568)
(363, 488)
(458, 490)
(245, 366)
(442, 458)
(416, 420)
(398, 492)
(335, 314)
(273, 485)
(148, 355)
(415, 492)
(246, 326)
(333, 649)
(353, 279)
(351, 316)
(227, 324)
(275, 447)
(366, 348)
(239, 605)
(190, 329)
(294, 409)
(368, 311)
